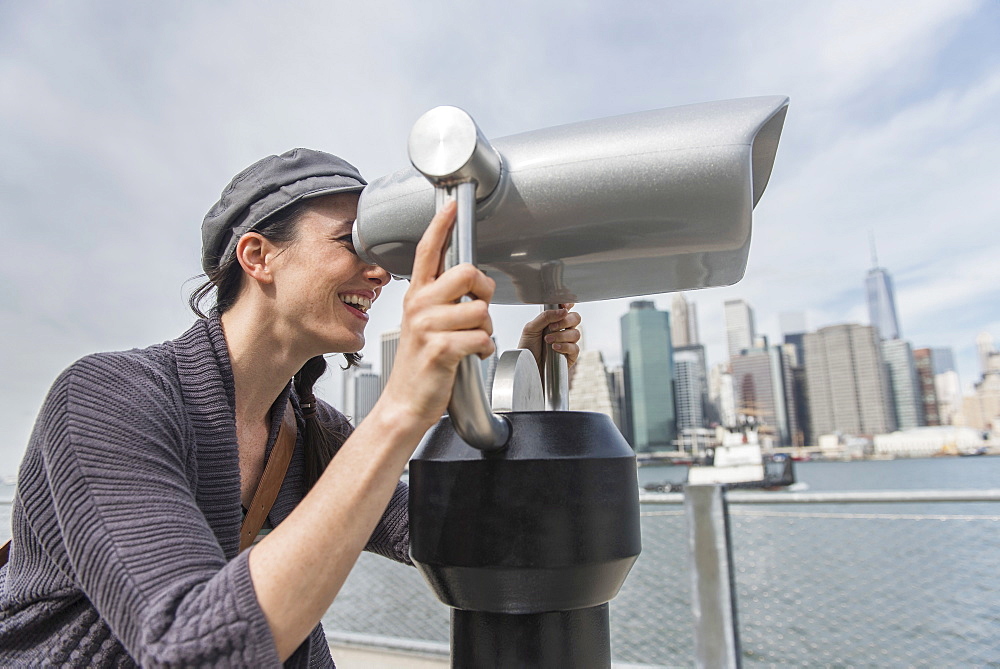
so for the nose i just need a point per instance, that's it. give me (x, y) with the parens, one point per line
(377, 275)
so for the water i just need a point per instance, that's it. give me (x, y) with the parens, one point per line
(827, 585)
(974, 473)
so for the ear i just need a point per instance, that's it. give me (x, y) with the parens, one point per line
(255, 253)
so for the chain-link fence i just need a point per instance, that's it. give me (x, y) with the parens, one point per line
(817, 584)
(844, 586)
(889, 584)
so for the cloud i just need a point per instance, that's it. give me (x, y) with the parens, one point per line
(121, 123)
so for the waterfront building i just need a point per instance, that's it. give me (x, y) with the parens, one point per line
(683, 322)
(389, 344)
(802, 434)
(923, 361)
(793, 348)
(783, 378)
(796, 387)
(984, 349)
(793, 327)
(616, 376)
(590, 389)
(753, 390)
(760, 377)
(923, 442)
(903, 383)
(689, 371)
(649, 377)
(981, 410)
(846, 381)
(947, 385)
(720, 394)
(740, 332)
(362, 387)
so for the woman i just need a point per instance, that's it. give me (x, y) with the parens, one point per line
(128, 511)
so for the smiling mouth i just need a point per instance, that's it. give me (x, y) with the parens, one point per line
(362, 304)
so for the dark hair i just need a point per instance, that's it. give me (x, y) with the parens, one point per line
(320, 441)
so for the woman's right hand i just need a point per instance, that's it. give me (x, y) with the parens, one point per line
(438, 330)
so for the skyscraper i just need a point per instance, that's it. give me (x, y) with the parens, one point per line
(881, 300)
(793, 327)
(846, 381)
(984, 349)
(689, 371)
(981, 410)
(649, 377)
(720, 394)
(785, 399)
(361, 390)
(740, 331)
(795, 359)
(590, 388)
(683, 322)
(903, 383)
(760, 379)
(389, 344)
(947, 385)
(616, 376)
(923, 360)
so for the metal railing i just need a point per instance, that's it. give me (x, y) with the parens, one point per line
(814, 579)
(850, 578)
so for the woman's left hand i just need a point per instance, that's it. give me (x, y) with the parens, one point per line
(556, 327)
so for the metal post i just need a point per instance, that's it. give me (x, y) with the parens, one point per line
(469, 406)
(713, 592)
(556, 375)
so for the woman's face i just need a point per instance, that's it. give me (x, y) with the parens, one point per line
(322, 288)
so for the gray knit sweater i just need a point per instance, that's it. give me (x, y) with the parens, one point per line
(127, 515)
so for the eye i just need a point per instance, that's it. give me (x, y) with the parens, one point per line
(348, 241)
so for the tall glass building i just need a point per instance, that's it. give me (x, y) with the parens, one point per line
(740, 331)
(882, 303)
(651, 417)
(904, 383)
(690, 388)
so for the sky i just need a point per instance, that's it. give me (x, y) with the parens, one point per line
(121, 122)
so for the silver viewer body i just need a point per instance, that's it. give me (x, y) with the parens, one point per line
(632, 205)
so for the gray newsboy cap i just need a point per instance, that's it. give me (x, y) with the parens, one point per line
(264, 189)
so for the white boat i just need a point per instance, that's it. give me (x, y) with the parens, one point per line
(739, 462)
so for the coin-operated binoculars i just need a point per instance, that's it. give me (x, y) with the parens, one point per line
(524, 517)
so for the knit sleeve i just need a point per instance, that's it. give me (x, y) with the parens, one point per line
(391, 537)
(130, 531)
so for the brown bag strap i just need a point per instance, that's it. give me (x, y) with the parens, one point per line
(270, 480)
(4, 553)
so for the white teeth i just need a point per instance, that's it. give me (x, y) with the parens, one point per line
(362, 303)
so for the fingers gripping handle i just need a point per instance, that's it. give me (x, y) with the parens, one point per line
(448, 148)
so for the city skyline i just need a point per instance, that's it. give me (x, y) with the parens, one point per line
(122, 123)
